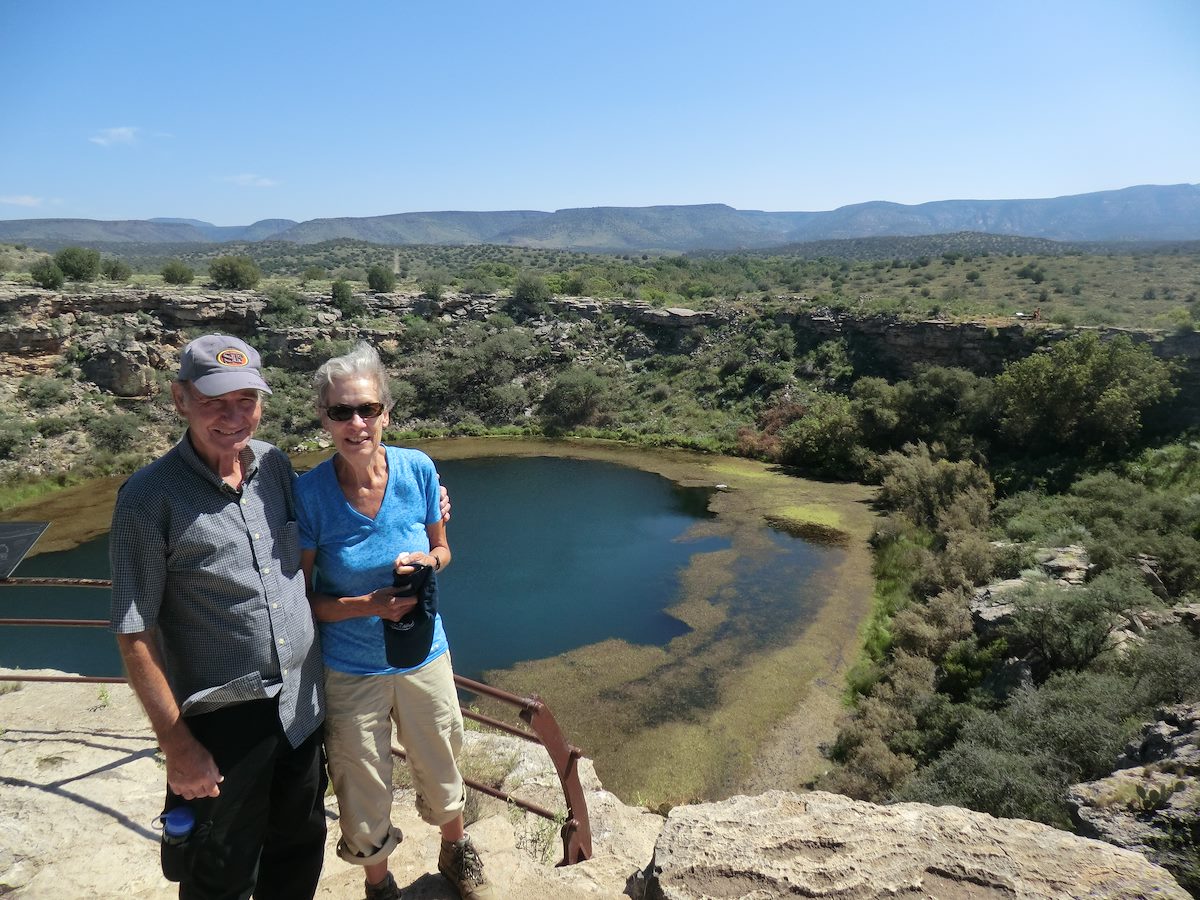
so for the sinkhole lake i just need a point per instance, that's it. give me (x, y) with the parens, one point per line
(549, 555)
(624, 587)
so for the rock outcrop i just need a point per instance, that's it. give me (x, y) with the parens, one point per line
(826, 845)
(992, 604)
(1151, 803)
(123, 368)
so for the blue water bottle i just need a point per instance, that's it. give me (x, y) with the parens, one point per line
(177, 827)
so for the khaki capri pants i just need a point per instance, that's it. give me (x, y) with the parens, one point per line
(358, 733)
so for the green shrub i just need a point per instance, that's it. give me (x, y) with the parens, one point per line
(574, 397)
(826, 438)
(41, 391)
(574, 284)
(115, 432)
(925, 487)
(1086, 394)
(416, 333)
(1081, 719)
(1166, 669)
(14, 437)
(284, 309)
(175, 272)
(116, 270)
(234, 273)
(967, 667)
(52, 426)
(1069, 627)
(930, 628)
(1032, 517)
(530, 293)
(45, 273)
(433, 288)
(502, 403)
(1116, 519)
(342, 297)
(1012, 784)
(380, 279)
(78, 263)
(869, 770)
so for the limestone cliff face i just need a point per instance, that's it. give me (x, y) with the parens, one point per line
(984, 348)
(39, 322)
(81, 787)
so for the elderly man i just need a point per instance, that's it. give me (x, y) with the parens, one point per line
(215, 629)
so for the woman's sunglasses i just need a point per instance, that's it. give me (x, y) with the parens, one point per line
(342, 413)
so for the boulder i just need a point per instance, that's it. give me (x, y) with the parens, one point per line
(1068, 565)
(233, 313)
(125, 369)
(675, 317)
(825, 845)
(992, 608)
(991, 605)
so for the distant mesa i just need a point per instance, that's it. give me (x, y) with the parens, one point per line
(1146, 213)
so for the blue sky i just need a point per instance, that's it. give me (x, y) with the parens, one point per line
(232, 112)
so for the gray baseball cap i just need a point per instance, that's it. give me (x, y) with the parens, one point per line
(217, 364)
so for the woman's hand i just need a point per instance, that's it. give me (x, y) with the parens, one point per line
(387, 605)
(405, 561)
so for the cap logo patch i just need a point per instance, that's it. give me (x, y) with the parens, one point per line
(233, 357)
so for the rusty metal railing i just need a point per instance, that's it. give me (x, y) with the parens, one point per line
(542, 727)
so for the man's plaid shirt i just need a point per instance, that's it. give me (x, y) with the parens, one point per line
(217, 572)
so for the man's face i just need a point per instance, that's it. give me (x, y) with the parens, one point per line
(220, 426)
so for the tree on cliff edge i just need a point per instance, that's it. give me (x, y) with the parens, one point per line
(235, 273)
(78, 263)
(1085, 395)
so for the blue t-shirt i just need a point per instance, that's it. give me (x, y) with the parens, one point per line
(355, 554)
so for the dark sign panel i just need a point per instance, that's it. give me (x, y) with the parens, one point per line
(16, 539)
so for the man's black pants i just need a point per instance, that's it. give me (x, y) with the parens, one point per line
(265, 833)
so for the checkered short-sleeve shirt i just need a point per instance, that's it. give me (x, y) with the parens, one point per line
(217, 572)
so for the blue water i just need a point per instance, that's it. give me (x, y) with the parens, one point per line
(550, 554)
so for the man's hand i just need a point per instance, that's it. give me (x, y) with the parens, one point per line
(444, 504)
(191, 770)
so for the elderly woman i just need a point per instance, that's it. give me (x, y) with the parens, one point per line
(367, 515)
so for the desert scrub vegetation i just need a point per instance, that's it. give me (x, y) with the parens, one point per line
(943, 276)
(945, 715)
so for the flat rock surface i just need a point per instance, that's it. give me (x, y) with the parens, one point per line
(81, 783)
(825, 845)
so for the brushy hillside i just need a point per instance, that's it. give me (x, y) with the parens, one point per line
(1142, 213)
(959, 276)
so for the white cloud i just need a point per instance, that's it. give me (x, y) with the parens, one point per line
(125, 134)
(21, 200)
(250, 180)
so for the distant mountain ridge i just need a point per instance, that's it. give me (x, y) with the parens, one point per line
(1141, 213)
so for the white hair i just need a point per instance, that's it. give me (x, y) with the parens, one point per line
(361, 362)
